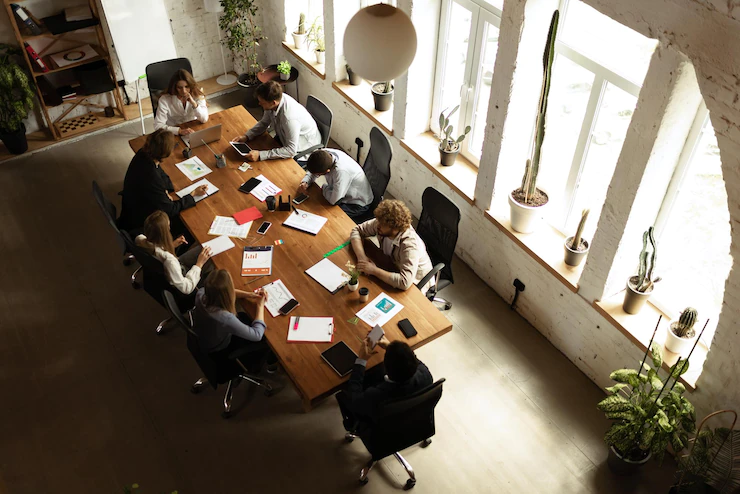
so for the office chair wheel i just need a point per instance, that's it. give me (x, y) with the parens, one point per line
(127, 262)
(225, 415)
(448, 305)
(269, 390)
(195, 389)
(364, 481)
(410, 483)
(136, 285)
(426, 443)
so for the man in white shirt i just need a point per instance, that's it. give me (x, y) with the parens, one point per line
(294, 126)
(346, 183)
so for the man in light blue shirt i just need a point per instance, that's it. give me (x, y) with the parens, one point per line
(294, 126)
(346, 183)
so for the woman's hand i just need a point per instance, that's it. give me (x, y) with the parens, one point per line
(183, 131)
(203, 257)
(261, 296)
(200, 191)
(180, 241)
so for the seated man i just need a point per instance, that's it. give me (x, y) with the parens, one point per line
(401, 374)
(294, 126)
(399, 243)
(346, 183)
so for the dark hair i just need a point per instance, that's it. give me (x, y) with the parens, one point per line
(270, 91)
(184, 75)
(320, 161)
(159, 144)
(400, 362)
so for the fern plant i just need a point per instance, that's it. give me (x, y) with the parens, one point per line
(242, 34)
(16, 90)
(648, 412)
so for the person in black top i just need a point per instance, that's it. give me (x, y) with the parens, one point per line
(147, 187)
(404, 375)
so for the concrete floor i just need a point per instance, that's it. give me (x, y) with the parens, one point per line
(94, 400)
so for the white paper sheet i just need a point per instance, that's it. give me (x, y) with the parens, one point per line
(305, 221)
(193, 168)
(264, 189)
(277, 296)
(226, 225)
(380, 310)
(311, 329)
(212, 189)
(219, 245)
(328, 275)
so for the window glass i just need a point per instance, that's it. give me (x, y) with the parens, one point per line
(499, 4)
(483, 89)
(456, 57)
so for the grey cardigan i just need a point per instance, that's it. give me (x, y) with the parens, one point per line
(215, 327)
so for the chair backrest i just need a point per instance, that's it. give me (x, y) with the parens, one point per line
(109, 211)
(158, 75)
(323, 117)
(403, 422)
(377, 165)
(438, 228)
(154, 280)
(170, 303)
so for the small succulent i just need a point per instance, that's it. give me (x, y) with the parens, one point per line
(684, 327)
(284, 67)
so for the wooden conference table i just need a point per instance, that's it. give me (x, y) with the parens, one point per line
(302, 362)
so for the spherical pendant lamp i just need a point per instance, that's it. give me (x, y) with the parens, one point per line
(380, 42)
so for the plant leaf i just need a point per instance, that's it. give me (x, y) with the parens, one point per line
(627, 376)
(657, 355)
(616, 388)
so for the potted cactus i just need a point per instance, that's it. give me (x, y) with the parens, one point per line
(640, 287)
(449, 148)
(681, 334)
(382, 95)
(576, 247)
(283, 69)
(526, 202)
(316, 38)
(354, 77)
(299, 35)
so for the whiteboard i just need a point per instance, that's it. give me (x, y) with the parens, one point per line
(141, 34)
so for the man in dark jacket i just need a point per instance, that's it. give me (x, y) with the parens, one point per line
(146, 187)
(404, 375)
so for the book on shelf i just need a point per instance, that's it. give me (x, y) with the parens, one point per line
(24, 19)
(79, 13)
(67, 92)
(37, 62)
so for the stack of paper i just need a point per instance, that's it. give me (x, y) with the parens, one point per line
(212, 189)
(311, 329)
(305, 221)
(265, 188)
(219, 245)
(329, 275)
(277, 296)
(257, 260)
(380, 310)
(225, 225)
(193, 168)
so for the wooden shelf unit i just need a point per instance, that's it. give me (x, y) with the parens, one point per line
(93, 120)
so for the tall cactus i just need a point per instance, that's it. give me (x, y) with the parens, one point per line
(301, 24)
(529, 181)
(581, 224)
(645, 279)
(686, 322)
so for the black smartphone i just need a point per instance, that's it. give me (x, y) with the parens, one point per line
(264, 227)
(289, 306)
(300, 198)
(407, 328)
(250, 184)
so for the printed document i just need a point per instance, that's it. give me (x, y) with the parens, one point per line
(380, 310)
(257, 260)
(328, 274)
(226, 225)
(277, 296)
(193, 168)
(212, 189)
(264, 189)
(305, 221)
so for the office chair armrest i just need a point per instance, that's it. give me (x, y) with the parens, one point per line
(432, 274)
(308, 151)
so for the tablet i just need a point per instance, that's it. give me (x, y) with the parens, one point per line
(250, 184)
(340, 357)
(241, 148)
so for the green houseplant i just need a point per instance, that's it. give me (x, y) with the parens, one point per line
(299, 35)
(681, 334)
(576, 247)
(382, 95)
(647, 413)
(449, 147)
(640, 286)
(354, 276)
(525, 202)
(316, 38)
(242, 37)
(283, 69)
(16, 99)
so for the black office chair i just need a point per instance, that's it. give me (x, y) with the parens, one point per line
(109, 211)
(399, 424)
(323, 117)
(216, 371)
(155, 282)
(438, 225)
(158, 75)
(377, 169)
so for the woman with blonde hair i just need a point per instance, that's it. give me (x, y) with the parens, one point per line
(222, 330)
(183, 273)
(399, 243)
(182, 102)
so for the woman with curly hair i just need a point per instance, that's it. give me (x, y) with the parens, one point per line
(398, 241)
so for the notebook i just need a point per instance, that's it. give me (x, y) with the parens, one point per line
(305, 221)
(212, 189)
(311, 329)
(257, 260)
(219, 245)
(247, 215)
(340, 357)
(328, 275)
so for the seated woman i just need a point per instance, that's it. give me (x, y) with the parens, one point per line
(182, 102)
(183, 273)
(146, 186)
(399, 242)
(222, 331)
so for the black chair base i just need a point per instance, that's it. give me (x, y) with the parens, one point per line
(226, 412)
(410, 483)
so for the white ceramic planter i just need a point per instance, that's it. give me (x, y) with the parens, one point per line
(299, 41)
(524, 219)
(284, 77)
(680, 346)
(354, 287)
(320, 56)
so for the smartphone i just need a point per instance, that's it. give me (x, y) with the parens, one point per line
(289, 306)
(241, 148)
(264, 227)
(375, 335)
(300, 198)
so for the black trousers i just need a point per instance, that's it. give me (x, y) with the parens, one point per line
(354, 210)
(350, 419)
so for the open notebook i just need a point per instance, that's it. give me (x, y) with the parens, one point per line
(212, 189)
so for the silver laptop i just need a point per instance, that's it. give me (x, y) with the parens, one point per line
(198, 137)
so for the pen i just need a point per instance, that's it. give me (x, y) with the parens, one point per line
(294, 209)
(295, 324)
